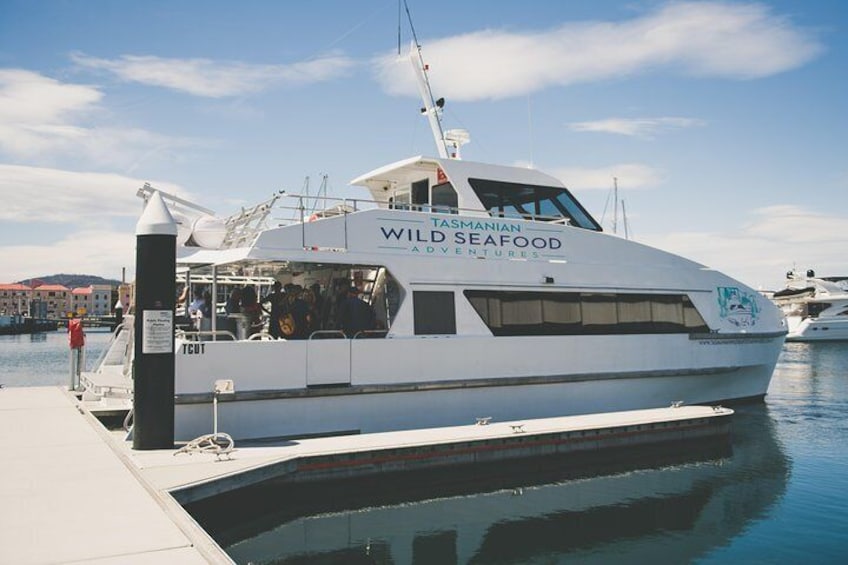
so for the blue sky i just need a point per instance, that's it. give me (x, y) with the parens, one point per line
(724, 122)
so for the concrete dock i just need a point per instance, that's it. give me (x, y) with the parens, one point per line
(71, 491)
(66, 496)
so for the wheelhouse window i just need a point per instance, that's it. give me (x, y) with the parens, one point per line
(420, 191)
(544, 203)
(444, 198)
(513, 313)
(434, 312)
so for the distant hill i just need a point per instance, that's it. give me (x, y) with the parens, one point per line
(71, 281)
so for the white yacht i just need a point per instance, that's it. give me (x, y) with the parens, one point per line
(816, 308)
(493, 294)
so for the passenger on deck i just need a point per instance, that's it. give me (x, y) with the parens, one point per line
(356, 314)
(208, 307)
(319, 300)
(276, 301)
(297, 320)
(250, 308)
(234, 302)
(331, 312)
(182, 304)
(314, 316)
(196, 303)
(205, 310)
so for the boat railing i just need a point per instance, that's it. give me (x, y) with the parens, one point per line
(311, 208)
(106, 350)
(327, 334)
(370, 334)
(198, 335)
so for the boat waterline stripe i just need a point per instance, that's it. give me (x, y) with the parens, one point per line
(342, 389)
(727, 338)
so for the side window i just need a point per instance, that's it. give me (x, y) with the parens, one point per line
(420, 194)
(400, 201)
(434, 311)
(569, 313)
(444, 199)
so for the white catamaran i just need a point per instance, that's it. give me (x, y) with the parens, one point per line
(492, 293)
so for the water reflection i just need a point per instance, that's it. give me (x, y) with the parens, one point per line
(645, 505)
(40, 337)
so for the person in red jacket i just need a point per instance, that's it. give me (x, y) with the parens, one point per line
(76, 339)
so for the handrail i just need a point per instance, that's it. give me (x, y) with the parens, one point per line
(337, 333)
(357, 205)
(109, 345)
(260, 336)
(197, 333)
(370, 334)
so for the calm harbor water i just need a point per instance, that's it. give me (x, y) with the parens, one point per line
(777, 494)
(43, 359)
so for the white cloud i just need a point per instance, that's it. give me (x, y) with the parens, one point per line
(37, 111)
(759, 253)
(28, 97)
(712, 39)
(35, 194)
(638, 127)
(630, 175)
(100, 209)
(101, 252)
(215, 79)
(43, 120)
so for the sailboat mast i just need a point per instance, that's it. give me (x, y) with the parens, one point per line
(615, 206)
(624, 218)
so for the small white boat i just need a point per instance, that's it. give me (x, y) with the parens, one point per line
(816, 308)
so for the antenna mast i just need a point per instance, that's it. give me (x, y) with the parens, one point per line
(448, 143)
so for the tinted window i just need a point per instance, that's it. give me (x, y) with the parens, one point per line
(444, 198)
(435, 312)
(420, 192)
(545, 203)
(575, 313)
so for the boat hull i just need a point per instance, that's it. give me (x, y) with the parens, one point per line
(817, 329)
(366, 407)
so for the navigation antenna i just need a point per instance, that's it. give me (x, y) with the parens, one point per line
(448, 142)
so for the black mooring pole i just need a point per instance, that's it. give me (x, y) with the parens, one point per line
(119, 315)
(155, 298)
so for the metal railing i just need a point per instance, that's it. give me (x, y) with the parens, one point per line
(195, 334)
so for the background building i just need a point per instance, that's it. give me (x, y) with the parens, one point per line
(14, 299)
(58, 301)
(56, 297)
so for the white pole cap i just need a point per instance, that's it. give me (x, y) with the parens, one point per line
(156, 218)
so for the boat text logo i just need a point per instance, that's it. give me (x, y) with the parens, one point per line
(470, 238)
(737, 306)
